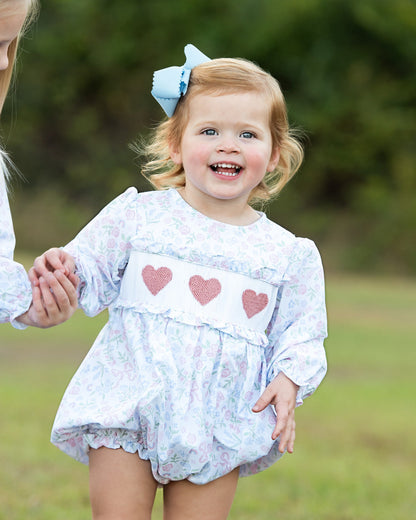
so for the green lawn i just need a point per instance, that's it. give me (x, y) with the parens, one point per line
(355, 457)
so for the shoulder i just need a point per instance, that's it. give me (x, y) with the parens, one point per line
(299, 252)
(279, 233)
(295, 246)
(133, 201)
(160, 198)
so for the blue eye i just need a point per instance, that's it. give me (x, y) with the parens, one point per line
(247, 135)
(209, 131)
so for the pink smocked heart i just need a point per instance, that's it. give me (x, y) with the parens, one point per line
(156, 279)
(254, 303)
(204, 291)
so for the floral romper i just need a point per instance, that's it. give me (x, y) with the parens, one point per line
(202, 316)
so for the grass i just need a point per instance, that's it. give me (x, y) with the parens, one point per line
(355, 453)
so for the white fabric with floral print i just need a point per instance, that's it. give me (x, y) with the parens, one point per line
(202, 316)
(15, 290)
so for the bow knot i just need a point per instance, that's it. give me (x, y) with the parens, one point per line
(171, 83)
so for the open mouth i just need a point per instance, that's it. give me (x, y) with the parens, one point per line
(229, 170)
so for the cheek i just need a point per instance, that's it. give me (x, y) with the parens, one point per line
(259, 161)
(197, 156)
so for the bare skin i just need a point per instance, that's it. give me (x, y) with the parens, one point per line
(54, 300)
(122, 487)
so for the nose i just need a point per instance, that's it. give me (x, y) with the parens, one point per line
(228, 144)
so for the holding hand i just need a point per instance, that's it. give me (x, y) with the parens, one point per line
(54, 300)
(281, 393)
(52, 260)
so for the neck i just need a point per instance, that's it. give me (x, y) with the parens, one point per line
(235, 212)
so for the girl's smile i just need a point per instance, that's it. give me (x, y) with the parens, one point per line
(227, 170)
(226, 150)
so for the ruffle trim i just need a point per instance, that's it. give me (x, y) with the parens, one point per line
(77, 443)
(251, 336)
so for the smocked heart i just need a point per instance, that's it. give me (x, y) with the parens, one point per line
(156, 279)
(204, 291)
(254, 303)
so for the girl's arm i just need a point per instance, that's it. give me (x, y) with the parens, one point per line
(98, 254)
(15, 291)
(53, 301)
(299, 326)
(296, 357)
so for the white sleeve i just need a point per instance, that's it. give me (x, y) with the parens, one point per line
(101, 252)
(15, 289)
(299, 325)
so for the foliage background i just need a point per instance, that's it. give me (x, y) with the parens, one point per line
(347, 69)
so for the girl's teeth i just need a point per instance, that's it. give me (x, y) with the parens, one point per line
(221, 167)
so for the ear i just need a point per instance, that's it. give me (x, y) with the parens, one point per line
(175, 154)
(274, 159)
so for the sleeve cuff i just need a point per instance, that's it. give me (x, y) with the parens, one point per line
(18, 312)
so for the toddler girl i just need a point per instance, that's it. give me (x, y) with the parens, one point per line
(54, 297)
(215, 311)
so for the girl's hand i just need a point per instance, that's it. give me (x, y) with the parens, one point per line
(52, 260)
(54, 300)
(281, 393)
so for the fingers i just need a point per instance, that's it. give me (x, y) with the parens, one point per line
(59, 296)
(73, 278)
(51, 292)
(50, 261)
(33, 277)
(67, 261)
(292, 438)
(281, 393)
(54, 299)
(282, 412)
(264, 400)
(35, 311)
(37, 304)
(288, 435)
(66, 295)
(285, 425)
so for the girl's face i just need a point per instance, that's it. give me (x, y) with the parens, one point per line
(12, 17)
(226, 148)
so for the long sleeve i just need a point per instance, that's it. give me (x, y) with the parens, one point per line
(299, 325)
(101, 251)
(15, 290)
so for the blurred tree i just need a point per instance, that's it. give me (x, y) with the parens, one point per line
(347, 70)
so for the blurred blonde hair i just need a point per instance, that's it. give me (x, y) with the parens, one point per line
(7, 6)
(218, 77)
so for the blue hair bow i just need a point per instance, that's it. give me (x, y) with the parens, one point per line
(171, 83)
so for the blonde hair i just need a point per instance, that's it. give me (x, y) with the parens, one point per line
(6, 75)
(218, 77)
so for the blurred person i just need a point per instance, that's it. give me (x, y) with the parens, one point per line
(216, 314)
(53, 299)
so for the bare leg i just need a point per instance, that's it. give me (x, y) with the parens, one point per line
(122, 486)
(186, 501)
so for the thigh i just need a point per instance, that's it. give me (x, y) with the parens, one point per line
(186, 501)
(121, 485)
